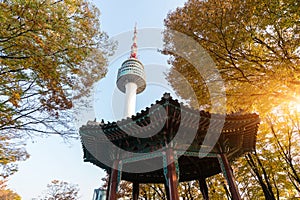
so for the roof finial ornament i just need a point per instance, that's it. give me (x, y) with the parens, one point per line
(133, 53)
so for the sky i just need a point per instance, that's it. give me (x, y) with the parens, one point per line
(51, 157)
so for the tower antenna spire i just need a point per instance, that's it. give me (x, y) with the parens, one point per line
(133, 53)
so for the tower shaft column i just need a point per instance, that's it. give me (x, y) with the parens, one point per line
(130, 99)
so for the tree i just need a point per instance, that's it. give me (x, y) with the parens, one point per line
(61, 190)
(277, 166)
(51, 52)
(255, 46)
(125, 188)
(6, 193)
(10, 153)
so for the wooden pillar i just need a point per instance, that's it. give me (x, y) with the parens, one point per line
(113, 181)
(167, 191)
(172, 176)
(203, 188)
(230, 178)
(135, 190)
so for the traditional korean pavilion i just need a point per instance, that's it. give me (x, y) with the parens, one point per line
(181, 160)
(166, 142)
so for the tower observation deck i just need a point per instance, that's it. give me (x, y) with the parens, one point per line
(131, 78)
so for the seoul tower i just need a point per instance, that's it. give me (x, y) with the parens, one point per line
(131, 78)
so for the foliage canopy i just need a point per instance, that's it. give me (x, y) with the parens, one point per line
(254, 44)
(51, 52)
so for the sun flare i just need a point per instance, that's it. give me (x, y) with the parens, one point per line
(295, 105)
